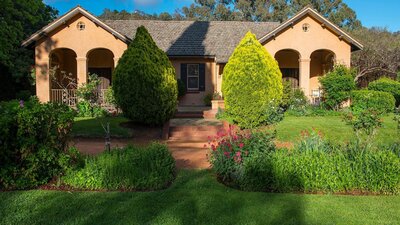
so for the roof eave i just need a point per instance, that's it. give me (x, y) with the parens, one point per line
(63, 19)
(355, 45)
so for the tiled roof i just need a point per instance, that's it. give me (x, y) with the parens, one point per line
(195, 38)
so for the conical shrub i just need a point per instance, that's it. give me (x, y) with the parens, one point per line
(251, 84)
(144, 82)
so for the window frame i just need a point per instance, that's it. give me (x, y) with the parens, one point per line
(188, 75)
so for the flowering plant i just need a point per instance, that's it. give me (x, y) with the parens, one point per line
(230, 150)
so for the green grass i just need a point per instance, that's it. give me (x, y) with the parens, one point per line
(333, 128)
(91, 127)
(195, 198)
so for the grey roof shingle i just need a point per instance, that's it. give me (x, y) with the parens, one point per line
(195, 38)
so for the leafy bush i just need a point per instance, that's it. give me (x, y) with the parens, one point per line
(337, 86)
(144, 82)
(293, 98)
(382, 102)
(387, 85)
(252, 83)
(88, 98)
(207, 99)
(109, 97)
(366, 121)
(34, 143)
(130, 168)
(314, 166)
(181, 88)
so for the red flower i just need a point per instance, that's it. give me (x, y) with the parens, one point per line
(227, 154)
(241, 145)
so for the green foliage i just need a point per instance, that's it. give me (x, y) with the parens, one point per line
(337, 86)
(364, 122)
(181, 88)
(382, 102)
(207, 99)
(144, 82)
(252, 83)
(397, 119)
(315, 165)
(130, 168)
(312, 110)
(293, 98)
(387, 85)
(19, 19)
(34, 143)
(88, 98)
(109, 97)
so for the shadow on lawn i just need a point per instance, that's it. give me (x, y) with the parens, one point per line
(194, 198)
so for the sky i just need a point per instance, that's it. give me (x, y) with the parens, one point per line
(382, 13)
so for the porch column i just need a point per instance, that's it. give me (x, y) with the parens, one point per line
(116, 61)
(81, 63)
(304, 67)
(43, 79)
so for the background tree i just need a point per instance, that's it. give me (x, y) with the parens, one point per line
(252, 84)
(144, 82)
(19, 19)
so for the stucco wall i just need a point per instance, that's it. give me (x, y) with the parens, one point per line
(196, 98)
(81, 42)
(305, 43)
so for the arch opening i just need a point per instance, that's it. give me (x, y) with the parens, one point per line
(322, 62)
(288, 60)
(63, 67)
(100, 61)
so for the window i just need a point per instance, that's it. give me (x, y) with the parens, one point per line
(306, 27)
(80, 25)
(193, 77)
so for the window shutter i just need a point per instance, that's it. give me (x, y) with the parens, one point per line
(184, 74)
(202, 77)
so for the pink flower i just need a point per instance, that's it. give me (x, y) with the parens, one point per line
(241, 145)
(227, 154)
(213, 147)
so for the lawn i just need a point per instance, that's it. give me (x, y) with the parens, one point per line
(333, 129)
(194, 198)
(92, 127)
(288, 130)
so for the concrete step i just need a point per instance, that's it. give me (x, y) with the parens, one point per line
(210, 114)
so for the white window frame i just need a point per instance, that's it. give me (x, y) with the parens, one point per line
(193, 75)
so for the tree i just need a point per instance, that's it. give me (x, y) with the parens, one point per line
(380, 56)
(252, 84)
(19, 19)
(144, 82)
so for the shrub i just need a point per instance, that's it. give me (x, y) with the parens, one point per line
(382, 102)
(337, 86)
(252, 83)
(144, 82)
(314, 166)
(181, 88)
(207, 99)
(130, 168)
(34, 143)
(293, 99)
(387, 85)
(88, 98)
(364, 122)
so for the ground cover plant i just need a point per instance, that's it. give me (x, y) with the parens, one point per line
(144, 82)
(250, 161)
(252, 84)
(34, 143)
(130, 168)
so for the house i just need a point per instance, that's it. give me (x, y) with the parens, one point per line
(306, 46)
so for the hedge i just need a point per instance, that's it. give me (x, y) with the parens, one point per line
(383, 102)
(387, 85)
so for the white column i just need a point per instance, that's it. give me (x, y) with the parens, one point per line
(81, 70)
(304, 67)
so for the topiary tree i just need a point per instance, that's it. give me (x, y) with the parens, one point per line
(337, 86)
(252, 84)
(144, 82)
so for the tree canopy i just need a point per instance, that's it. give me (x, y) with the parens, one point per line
(19, 19)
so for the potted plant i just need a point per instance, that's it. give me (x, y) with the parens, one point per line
(217, 101)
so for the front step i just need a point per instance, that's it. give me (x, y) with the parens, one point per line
(193, 133)
(188, 115)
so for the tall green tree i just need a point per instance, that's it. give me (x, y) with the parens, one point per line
(18, 20)
(144, 82)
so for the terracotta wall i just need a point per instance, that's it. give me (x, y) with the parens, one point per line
(80, 41)
(196, 98)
